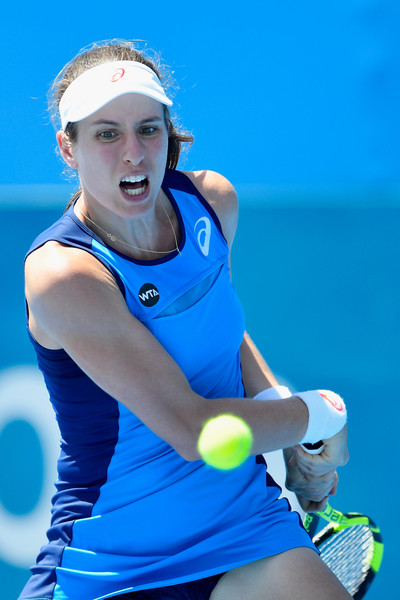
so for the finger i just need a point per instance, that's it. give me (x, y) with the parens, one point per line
(335, 485)
(313, 506)
(311, 492)
(316, 495)
(314, 489)
(310, 463)
(315, 472)
(336, 449)
(322, 478)
(320, 506)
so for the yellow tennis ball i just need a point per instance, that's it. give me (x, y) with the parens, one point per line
(225, 442)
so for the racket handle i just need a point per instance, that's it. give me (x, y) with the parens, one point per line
(311, 524)
(312, 519)
(313, 448)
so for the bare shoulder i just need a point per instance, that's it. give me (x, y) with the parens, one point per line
(62, 282)
(221, 195)
(54, 265)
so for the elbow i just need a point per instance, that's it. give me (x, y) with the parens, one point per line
(189, 454)
(181, 426)
(186, 445)
(186, 435)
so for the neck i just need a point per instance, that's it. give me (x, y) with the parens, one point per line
(160, 234)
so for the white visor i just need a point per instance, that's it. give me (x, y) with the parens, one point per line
(98, 86)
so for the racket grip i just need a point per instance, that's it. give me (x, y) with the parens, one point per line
(311, 524)
(312, 519)
(313, 448)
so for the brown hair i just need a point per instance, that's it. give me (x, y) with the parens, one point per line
(108, 51)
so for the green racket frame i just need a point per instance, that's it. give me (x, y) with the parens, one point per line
(338, 522)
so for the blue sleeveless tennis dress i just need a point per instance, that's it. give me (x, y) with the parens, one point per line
(129, 513)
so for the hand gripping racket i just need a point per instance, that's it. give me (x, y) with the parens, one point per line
(351, 545)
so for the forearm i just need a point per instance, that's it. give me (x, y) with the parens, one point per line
(275, 424)
(257, 375)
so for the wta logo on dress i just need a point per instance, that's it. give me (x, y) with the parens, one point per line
(202, 229)
(149, 294)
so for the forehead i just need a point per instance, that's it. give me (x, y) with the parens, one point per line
(131, 106)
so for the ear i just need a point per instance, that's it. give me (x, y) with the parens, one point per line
(66, 151)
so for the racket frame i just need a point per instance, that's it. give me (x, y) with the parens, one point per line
(337, 522)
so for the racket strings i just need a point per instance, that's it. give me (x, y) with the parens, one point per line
(349, 554)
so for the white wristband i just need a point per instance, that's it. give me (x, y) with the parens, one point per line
(274, 393)
(327, 415)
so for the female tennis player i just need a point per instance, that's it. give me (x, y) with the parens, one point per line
(140, 337)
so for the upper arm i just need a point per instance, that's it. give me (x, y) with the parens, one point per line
(75, 301)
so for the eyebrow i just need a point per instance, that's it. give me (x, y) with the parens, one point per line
(155, 119)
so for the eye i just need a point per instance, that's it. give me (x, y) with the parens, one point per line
(148, 130)
(106, 135)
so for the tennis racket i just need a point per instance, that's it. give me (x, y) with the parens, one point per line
(351, 545)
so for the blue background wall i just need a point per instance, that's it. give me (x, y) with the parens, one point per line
(296, 103)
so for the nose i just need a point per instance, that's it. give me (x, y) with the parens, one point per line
(133, 151)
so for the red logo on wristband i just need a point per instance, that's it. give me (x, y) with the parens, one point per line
(335, 401)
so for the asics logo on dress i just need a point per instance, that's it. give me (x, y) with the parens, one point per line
(149, 294)
(203, 230)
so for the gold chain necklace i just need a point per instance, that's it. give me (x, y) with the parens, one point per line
(114, 238)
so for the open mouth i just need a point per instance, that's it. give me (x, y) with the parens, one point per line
(134, 185)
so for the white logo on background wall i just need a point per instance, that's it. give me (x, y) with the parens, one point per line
(23, 396)
(203, 234)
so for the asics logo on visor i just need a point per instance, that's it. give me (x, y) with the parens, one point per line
(117, 75)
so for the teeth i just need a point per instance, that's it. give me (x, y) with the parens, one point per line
(135, 192)
(134, 178)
